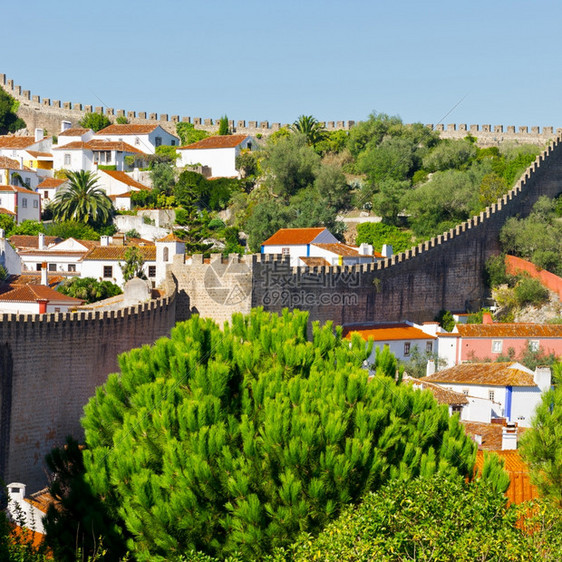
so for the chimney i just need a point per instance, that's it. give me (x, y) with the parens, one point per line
(386, 250)
(44, 274)
(41, 241)
(365, 250)
(2, 234)
(136, 174)
(39, 135)
(65, 125)
(543, 378)
(487, 318)
(104, 240)
(16, 491)
(478, 439)
(119, 239)
(430, 369)
(509, 437)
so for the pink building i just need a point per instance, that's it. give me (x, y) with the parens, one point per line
(488, 341)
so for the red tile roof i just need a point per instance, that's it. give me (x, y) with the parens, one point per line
(492, 374)
(9, 163)
(16, 142)
(517, 330)
(117, 253)
(50, 183)
(32, 293)
(217, 141)
(74, 132)
(126, 179)
(28, 241)
(127, 129)
(388, 332)
(442, 395)
(15, 188)
(291, 236)
(6, 212)
(171, 237)
(315, 262)
(36, 154)
(99, 144)
(342, 250)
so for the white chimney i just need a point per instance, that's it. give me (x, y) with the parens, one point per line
(478, 439)
(430, 368)
(104, 241)
(509, 437)
(41, 241)
(65, 125)
(386, 250)
(39, 135)
(44, 274)
(136, 174)
(365, 250)
(21, 162)
(543, 378)
(16, 491)
(2, 234)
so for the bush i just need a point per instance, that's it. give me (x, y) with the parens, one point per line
(495, 273)
(94, 121)
(88, 289)
(530, 291)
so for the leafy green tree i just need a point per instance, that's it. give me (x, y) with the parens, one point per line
(393, 159)
(163, 177)
(72, 229)
(248, 163)
(9, 120)
(8, 224)
(94, 121)
(372, 131)
(378, 233)
(446, 320)
(82, 200)
(387, 202)
(133, 265)
(266, 219)
(235, 441)
(541, 446)
(224, 128)
(449, 154)
(491, 189)
(188, 134)
(88, 289)
(28, 227)
(309, 126)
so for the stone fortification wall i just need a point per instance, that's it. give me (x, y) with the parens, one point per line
(47, 114)
(50, 366)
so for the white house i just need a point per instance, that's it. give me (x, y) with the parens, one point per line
(218, 152)
(117, 182)
(145, 138)
(48, 188)
(31, 510)
(166, 248)
(513, 390)
(13, 172)
(15, 146)
(74, 134)
(20, 203)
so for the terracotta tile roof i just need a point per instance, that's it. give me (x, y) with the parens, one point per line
(491, 434)
(442, 395)
(49, 252)
(31, 293)
(16, 142)
(31, 278)
(493, 374)
(50, 183)
(127, 129)
(74, 132)
(341, 250)
(171, 237)
(36, 154)
(291, 236)
(15, 188)
(117, 253)
(27, 241)
(517, 330)
(9, 163)
(41, 500)
(315, 262)
(217, 141)
(99, 144)
(126, 194)
(126, 179)
(388, 332)
(7, 212)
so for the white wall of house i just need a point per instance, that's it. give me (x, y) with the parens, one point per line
(477, 410)
(497, 400)
(124, 223)
(165, 252)
(95, 269)
(9, 258)
(73, 160)
(295, 251)
(15, 307)
(147, 142)
(222, 161)
(29, 206)
(399, 348)
(66, 139)
(18, 507)
(447, 351)
(524, 401)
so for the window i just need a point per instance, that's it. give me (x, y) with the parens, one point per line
(52, 267)
(152, 271)
(107, 271)
(249, 146)
(166, 254)
(285, 251)
(491, 395)
(429, 347)
(407, 349)
(465, 391)
(37, 267)
(173, 143)
(35, 204)
(24, 202)
(72, 267)
(456, 408)
(57, 309)
(534, 345)
(497, 346)
(67, 159)
(45, 195)
(157, 141)
(137, 141)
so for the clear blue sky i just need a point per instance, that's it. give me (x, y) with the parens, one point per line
(496, 62)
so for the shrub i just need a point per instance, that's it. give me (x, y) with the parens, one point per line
(530, 291)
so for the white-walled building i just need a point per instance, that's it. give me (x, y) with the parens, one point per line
(20, 203)
(15, 146)
(166, 248)
(48, 188)
(513, 390)
(35, 299)
(74, 134)
(218, 152)
(145, 138)
(27, 508)
(117, 183)
(11, 170)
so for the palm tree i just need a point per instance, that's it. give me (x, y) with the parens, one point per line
(82, 200)
(310, 128)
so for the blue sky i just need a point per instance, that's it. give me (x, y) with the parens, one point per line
(496, 62)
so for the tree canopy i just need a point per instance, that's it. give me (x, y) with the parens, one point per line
(9, 121)
(94, 121)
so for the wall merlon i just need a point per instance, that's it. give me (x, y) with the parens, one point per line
(153, 117)
(109, 111)
(131, 114)
(89, 108)
(498, 128)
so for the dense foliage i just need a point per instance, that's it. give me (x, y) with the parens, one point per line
(9, 121)
(238, 440)
(94, 121)
(88, 289)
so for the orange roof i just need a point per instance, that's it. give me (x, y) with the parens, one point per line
(442, 395)
(388, 332)
(74, 132)
(294, 236)
(32, 293)
(36, 154)
(170, 238)
(127, 129)
(9, 163)
(342, 250)
(315, 262)
(126, 179)
(492, 374)
(6, 212)
(16, 142)
(117, 253)
(100, 144)
(516, 330)
(50, 183)
(15, 189)
(29, 241)
(41, 500)
(217, 141)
